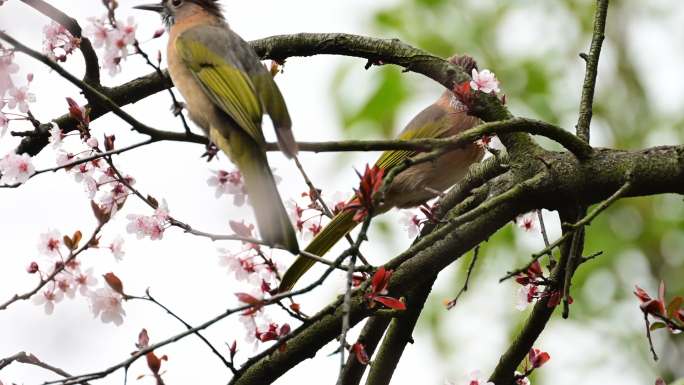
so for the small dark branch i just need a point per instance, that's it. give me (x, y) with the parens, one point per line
(575, 256)
(398, 335)
(30, 359)
(142, 352)
(177, 107)
(471, 267)
(542, 226)
(535, 324)
(592, 60)
(148, 297)
(321, 202)
(370, 336)
(586, 221)
(346, 304)
(92, 74)
(648, 336)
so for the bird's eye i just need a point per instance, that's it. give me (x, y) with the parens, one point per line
(176, 3)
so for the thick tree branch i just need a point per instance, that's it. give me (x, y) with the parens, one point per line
(399, 334)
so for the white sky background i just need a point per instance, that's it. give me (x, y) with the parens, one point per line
(182, 271)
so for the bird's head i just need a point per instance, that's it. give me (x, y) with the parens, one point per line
(173, 11)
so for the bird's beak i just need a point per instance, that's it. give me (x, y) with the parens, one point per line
(151, 7)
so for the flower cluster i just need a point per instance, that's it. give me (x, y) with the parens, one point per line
(15, 168)
(307, 215)
(113, 38)
(58, 42)
(229, 183)
(412, 221)
(152, 226)
(484, 81)
(65, 277)
(12, 96)
(258, 326)
(670, 316)
(532, 282)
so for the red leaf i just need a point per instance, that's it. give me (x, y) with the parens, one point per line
(674, 306)
(114, 282)
(654, 307)
(285, 330)
(538, 358)
(360, 352)
(247, 298)
(153, 362)
(390, 302)
(380, 280)
(641, 294)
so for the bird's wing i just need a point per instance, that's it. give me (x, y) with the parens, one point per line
(429, 123)
(267, 91)
(222, 76)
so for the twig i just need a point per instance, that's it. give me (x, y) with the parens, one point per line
(572, 228)
(30, 359)
(346, 304)
(648, 336)
(87, 159)
(148, 297)
(126, 363)
(326, 209)
(471, 267)
(592, 60)
(176, 104)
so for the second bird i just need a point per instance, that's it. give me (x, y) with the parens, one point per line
(227, 91)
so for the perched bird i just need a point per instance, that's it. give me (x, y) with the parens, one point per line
(413, 186)
(227, 91)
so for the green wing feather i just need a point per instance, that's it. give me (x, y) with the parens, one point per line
(230, 88)
(432, 122)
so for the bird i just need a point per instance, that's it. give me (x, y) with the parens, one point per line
(227, 90)
(413, 186)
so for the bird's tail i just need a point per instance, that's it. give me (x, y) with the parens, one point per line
(340, 225)
(271, 217)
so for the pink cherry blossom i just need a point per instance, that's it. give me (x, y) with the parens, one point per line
(245, 266)
(484, 81)
(97, 31)
(65, 283)
(7, 68)
(229, 183)
(58, 42)
(116, 247)
(527, 221)
(106, 303)
(84, 280)
(4, 123)
(47, 299)
(20, 97)
(92, 142)
(56, 136)
(410, 223)
(151, 226)
(525, 295)
(475, 378)
(64, 158)
(50, 243)
(114, 40)
(16, 168)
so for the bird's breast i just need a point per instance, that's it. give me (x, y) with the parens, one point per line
(198, 104)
